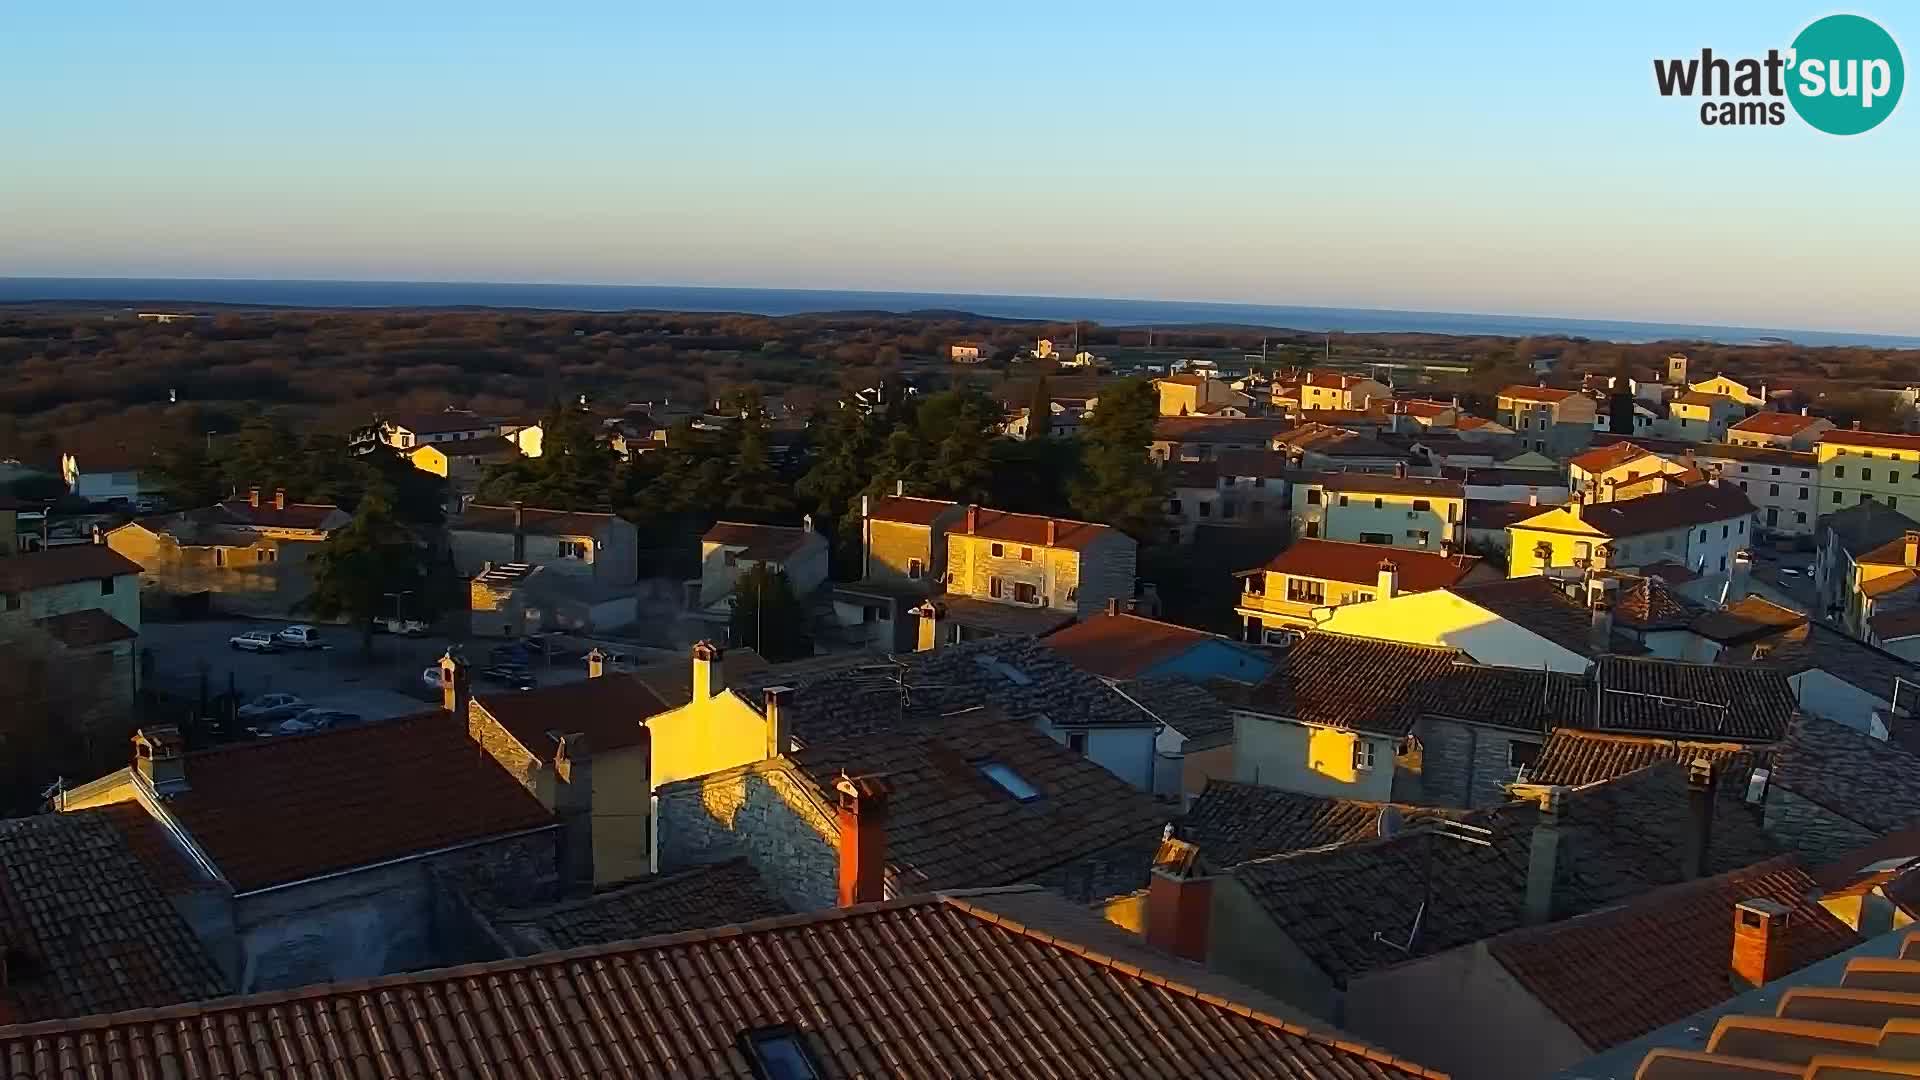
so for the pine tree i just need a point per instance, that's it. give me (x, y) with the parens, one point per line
(1119, 484)
(187, 476)
(1040, 411)
(768, 617)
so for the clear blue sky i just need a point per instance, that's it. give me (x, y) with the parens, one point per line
(1510, 158)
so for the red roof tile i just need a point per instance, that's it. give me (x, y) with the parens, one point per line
(1609, 457)
(927, 986)
(761, 543)
(1896, 624)
(907, 510)
(1359, 564)
(1548, 394)
(171, 868)
(281, 810)
(1032, 529)
(1701, 397)
(62, 566)
(481, 517)
(1777, 423)
(1619, 973)
(1123, 646)
(1876, 440)
(1219, 429)
(611, 711)
(1357, 683)
(86, 628)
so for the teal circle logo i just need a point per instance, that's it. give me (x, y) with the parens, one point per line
(1846, 75)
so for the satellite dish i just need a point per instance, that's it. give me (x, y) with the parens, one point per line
(1389, 822)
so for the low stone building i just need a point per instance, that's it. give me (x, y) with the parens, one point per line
(244, 556)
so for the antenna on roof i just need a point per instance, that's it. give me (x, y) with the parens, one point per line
(1388, 822)
(1442, 829)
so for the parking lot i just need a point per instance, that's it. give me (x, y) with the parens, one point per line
(337, 677)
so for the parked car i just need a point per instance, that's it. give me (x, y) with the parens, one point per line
(324, 719)
(300, 637)
(517, 678)
(270, 707)
(254, 641)
(403, 627)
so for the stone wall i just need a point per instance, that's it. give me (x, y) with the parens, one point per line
(768, 816)
(1465, 765)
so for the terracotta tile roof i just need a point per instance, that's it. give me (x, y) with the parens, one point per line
(169, 867)
(1766, 455)
(672, 680)
(1676, 699)
(1647, 603)
(1379, 687)
(481, 517)
(1032, 529)
(1489, 514)
(1219, 429)
(728, 892)
(1873, 440)
(1520, 699)
(1618, 974)
(1360, 483)
(1856, 776)
(1892, 552)
(1777, 423)
(1232, 823)
(1540, 606)
(86, 929)
(1266, 464)
(994, 617)
(1609, 457)
(62, 566)
(1573, 757)
(1701, 397)
(1702, 504)
(1746, 619)
(314, 517)
(1617, 840)
(1893, 625)
(611, 711)
(355, 796)
(855, 987)
(1122, 646)
(1548, 394)
(1888, 584)
(1469, 422)
(86, 628)
(951, 826)
(1425, 410)
(907, 510)
(1359, 564)
(759, 543)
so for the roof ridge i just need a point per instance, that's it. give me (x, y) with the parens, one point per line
(1171, 985)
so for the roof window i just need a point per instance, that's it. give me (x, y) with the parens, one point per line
(1011, 782)
(776, 1053)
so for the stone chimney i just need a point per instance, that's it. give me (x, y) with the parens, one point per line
(279, 498)
(709, 670)
(160, 757)
(863, 838)
(519, 531)
(1389, 586)
(1053, 532)
(1856, 425)
(1701, 785)
(929, 636)
(1179, 903)
(1543, 855)
(973, 518)
(1759, 943)
(573, 805)
(253, 497)
(596, 663)
(779, 708)
(456, 685)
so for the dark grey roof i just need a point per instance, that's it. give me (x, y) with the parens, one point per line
(1192, 709)
(1573, 757)
(1851, 773)
(1760, 633)
(845, 697)
(1864, 526)
(729, 892)
(1519, 698)
(1682, 700)
(996, 618)
(1617, 840)
(1232, 822)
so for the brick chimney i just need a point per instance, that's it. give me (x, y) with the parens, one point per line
(973, 518)
(1053, 533)
(709, 670)
(253, 497)
(863, 838)
(1543, 855)
(1389, 581)
(573, 805)
(519, 531)
(279, 498)
(160, 757)
(1701, 787)
(456, 685)
(596, 663)
(1759, 943)
(1179, 902)
(779, 708)
(929, 615)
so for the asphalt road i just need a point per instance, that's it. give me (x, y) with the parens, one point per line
(337, 678)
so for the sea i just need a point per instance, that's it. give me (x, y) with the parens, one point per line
(174, 292)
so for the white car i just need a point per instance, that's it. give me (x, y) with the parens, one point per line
(254, 641)
(268, 707)
(300, 637)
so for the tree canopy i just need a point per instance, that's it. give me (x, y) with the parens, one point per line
(1119, 484)
(373, 566)
(768, 617)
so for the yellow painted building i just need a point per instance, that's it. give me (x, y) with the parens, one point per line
(1730, 388)
(1698, 527)
(1698, 416)
(1314, 576)
(1859, 465)
(1192, 395)
(1332, 390)
(1023, 560)
(1599, 474)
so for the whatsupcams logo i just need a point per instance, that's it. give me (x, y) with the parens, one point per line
(1842, 75)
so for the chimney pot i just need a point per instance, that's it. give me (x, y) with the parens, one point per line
(1910, 548)
(1389, 580)
(1542, 856)
(1113, 605)
(973, 518)
(779, 708)
(596, 663)
(863, 838)
(1759, 942)
(709, 670)
(1856, 425)
(279, 498)
(253, 497)
(456, 688)
(1179, 902)
(900, 488)
(159, 756)
(1053, 532)
(929, 636)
